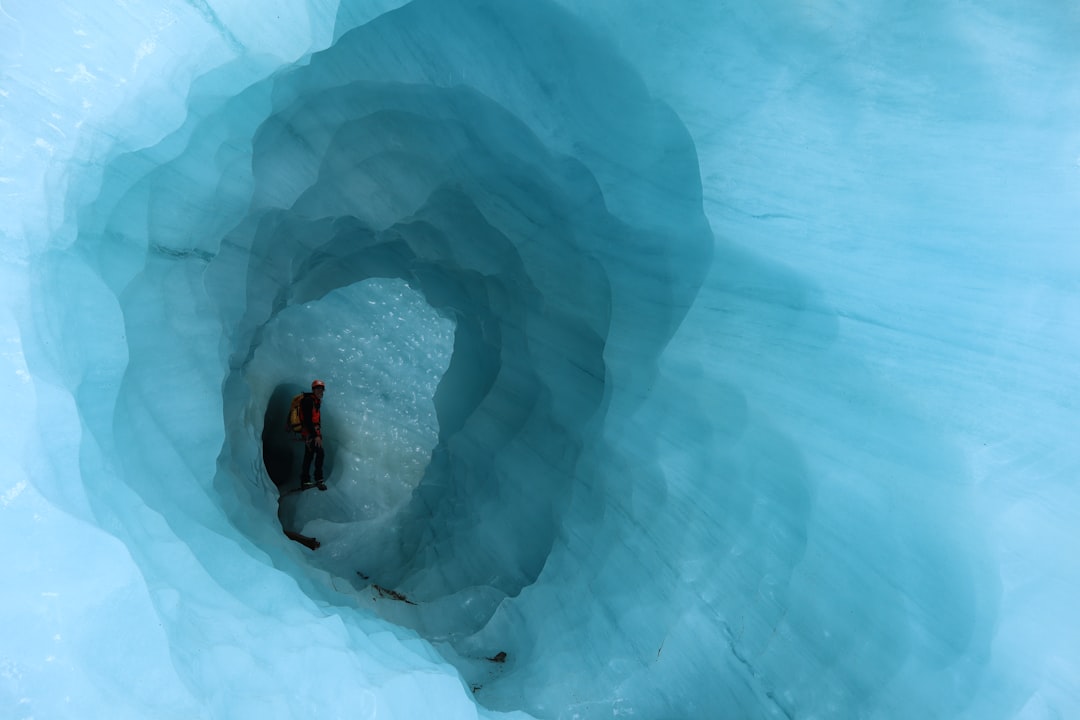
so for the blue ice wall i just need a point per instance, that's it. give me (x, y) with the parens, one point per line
(706, 361)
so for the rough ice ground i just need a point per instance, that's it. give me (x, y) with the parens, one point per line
(882, 358)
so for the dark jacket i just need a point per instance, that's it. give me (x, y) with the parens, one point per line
(310, 417)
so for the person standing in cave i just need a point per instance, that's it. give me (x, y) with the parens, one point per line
(311, 431)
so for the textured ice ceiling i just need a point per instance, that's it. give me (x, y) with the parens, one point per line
(694, 360)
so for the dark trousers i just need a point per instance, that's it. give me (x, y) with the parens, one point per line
(311, 451)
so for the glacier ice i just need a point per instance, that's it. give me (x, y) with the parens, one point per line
(708, 360)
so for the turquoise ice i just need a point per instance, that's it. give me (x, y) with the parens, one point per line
(709, 360)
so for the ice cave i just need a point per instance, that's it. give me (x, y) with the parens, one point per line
(690, 360)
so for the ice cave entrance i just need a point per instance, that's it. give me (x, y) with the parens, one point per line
(382, 350)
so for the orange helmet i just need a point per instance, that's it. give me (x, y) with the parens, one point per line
(318, 384)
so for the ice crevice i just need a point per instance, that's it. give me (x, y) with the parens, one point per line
(664, 378)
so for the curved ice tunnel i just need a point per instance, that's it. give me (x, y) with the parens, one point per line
(664, 486)
(520, 222)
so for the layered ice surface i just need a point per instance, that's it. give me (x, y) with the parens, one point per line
(683, 360)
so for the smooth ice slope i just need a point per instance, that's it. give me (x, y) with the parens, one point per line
(762, 392)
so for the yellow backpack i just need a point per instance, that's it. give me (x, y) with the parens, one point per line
(295, 423)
